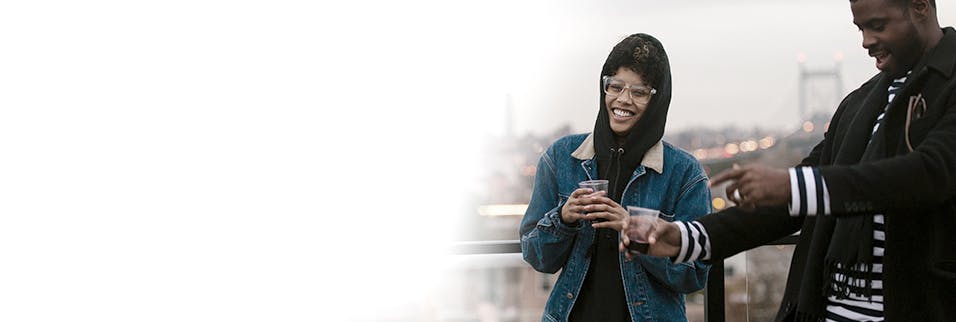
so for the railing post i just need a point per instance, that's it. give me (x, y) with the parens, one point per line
(714, 295)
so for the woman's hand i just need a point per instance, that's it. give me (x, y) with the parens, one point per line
(605, 208)
(574, 209)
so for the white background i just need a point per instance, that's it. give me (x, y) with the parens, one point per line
(298, 161)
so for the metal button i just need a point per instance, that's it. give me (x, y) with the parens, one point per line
(570, 296)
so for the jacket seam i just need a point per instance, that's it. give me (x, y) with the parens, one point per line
(690, 185)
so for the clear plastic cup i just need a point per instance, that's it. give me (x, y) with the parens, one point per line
(638, 237)
(595, 185)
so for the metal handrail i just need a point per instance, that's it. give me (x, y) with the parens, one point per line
(713, 294)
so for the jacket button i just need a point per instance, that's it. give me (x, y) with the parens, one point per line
(638, 303)
(570, 296)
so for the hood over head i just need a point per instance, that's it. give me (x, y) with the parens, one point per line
(644, 55)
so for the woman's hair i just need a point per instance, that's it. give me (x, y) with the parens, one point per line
(640, 54)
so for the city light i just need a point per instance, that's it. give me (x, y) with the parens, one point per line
(766, 143)
(718, 203)
(808, 126)
(700, 154)
(731, 148)
(748, 146)
(502, 210)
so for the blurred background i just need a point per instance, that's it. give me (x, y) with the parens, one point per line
(328, 161)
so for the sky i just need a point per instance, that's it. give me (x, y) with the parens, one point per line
(734, 63)
(291, 160)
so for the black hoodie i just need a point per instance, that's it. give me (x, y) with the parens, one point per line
(602, 296)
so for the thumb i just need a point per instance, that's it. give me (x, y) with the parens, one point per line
(652, 235)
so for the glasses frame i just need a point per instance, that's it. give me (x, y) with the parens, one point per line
(606, 80)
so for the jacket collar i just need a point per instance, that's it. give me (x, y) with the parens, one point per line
(942, 57)
(654, 158)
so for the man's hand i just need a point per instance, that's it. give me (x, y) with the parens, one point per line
(755, 185)
(662, 237)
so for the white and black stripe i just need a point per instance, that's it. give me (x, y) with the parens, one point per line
(859, 307)
(808, 192)
(695, 243)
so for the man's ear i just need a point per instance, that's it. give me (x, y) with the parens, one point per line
(920, 9)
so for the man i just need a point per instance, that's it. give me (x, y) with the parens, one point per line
(875, 201)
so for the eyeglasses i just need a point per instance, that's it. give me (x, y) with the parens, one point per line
(614, 87)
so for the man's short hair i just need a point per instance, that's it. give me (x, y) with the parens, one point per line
(905, 3)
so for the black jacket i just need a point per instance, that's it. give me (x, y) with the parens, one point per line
(915, 190)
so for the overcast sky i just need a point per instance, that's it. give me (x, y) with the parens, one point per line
(734, 62)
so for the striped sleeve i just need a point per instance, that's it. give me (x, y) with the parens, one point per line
(694, 241)
(808, 192)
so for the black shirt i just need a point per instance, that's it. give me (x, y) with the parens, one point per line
(602, 295)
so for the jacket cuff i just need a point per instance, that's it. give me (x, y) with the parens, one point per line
(695, 242)
(808, 192)
(558, 226)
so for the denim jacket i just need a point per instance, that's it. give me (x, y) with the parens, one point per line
(668, 179)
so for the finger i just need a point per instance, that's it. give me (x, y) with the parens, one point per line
(747, 206)
(607, 201)
(755, 197)
(622, 248)
(616, 225)
(631, 255)
(601, 215)
(732, 193)
(573, 208)
(732, 174)
(652, 234)
(748, 194)
(577, 208)
(595, 207)
(580, 191)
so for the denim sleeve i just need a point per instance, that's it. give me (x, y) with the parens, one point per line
(693, 202)
(546, 242)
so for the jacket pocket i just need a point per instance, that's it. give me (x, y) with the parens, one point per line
(919, 128)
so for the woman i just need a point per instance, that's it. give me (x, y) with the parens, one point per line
(576, 231)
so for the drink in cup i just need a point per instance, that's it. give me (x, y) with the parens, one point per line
(638, 239)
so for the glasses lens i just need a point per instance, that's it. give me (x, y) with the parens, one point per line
(640, 92)
(613, 86)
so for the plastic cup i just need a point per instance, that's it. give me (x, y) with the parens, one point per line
(595, 185)
(638, 238)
